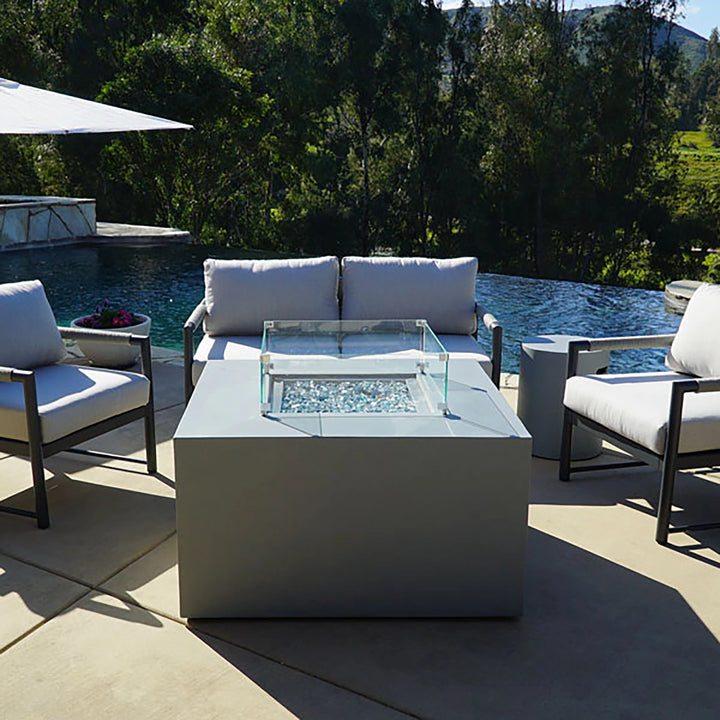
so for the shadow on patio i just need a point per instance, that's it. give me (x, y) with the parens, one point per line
(597, 640)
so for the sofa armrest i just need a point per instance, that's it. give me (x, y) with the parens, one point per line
(191, 325)
(629, 342)
(492, 324)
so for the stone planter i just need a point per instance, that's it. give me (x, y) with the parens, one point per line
(110, 355)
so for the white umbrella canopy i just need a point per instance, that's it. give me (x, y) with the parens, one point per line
(26, 110)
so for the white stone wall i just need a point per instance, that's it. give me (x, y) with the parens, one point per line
(42, 220)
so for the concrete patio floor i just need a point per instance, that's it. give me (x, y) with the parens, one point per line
(615, 626)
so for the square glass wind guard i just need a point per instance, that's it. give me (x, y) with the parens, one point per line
(345, 367)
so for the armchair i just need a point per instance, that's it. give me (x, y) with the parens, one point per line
(47, 407)
(667, 419)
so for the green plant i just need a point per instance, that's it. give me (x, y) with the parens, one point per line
(712, 263)
(108, 317)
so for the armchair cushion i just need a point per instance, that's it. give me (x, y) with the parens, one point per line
(637, 405)
(241, 294)
(696, 347)
(29, 333)
(440, 291)
(71, 397)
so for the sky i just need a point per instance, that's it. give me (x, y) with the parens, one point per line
(700, 16)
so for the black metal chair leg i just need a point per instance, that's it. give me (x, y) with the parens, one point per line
(150, 441)
(566, 446)
(667, 486)
(35, 448)
(38, 475)
(669, 466)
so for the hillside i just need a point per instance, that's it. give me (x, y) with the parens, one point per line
(691, 44)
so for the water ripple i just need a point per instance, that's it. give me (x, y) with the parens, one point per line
(167, 282)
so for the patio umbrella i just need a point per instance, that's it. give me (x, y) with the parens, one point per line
(26, 110)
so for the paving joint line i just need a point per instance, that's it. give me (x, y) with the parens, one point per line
(170, 407)
(183, 623)
(89, 589)
(179, 621)
(78, 581)
(143, 554)
(295, 668)
(46, 620)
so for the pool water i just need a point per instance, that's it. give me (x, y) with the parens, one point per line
(166, 283)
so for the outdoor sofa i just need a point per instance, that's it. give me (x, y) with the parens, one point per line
(241, 294)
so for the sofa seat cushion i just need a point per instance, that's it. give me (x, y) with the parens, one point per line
(241, 294)
(29, 333)
(244, 347)
(696, 347)
(636, 406)
(384, 288)
(228, 347)
(465, 347)
(70, 398)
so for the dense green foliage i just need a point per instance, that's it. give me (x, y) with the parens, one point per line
(542, 145)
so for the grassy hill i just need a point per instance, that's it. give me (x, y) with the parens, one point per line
(701, 157)
(691, 44)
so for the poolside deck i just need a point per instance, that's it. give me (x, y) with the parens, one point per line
(615, 626)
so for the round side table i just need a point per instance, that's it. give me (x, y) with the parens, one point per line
(543, 371)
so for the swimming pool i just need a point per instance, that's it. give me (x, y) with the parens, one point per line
(167, 282)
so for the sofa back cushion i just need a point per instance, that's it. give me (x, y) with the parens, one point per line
(29, 336)
(696, 347)
(241, 294)
(440, 291)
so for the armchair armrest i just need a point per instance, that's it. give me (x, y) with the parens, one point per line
(707, 385)
(629, 342)
(9, 374)
(492, 324)
(32, 414)
(191, 325)
(111, 336)
(118, 338)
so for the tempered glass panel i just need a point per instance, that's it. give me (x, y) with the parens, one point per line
(352, 360)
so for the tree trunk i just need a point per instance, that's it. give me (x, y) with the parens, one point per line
(365, 141)
(588, 256)
(540, 249)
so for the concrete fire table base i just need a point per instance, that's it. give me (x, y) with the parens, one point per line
(350, 516)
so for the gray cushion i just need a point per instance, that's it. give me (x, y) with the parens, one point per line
(247, 347)
(71, 397)
(241, 294)
(636, 406)
(465, 347)
(227, 347)
(696, 347)
(439, 291)
(29, 336)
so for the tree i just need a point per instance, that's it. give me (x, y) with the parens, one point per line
(526, 78)
(712, 48)
(367, 65)
(711, 120)
(632, 131)
(205, 180)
